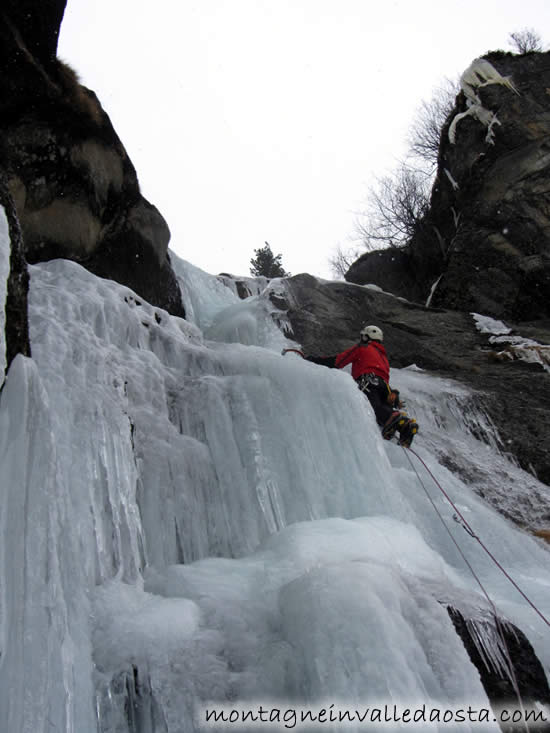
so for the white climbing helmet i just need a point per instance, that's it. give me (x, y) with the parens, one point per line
(372, 333)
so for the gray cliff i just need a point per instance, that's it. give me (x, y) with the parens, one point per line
(487, 230)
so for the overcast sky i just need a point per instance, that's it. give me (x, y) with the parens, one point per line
(267, 120)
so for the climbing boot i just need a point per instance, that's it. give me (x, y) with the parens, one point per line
(407, 432)
(396, 422)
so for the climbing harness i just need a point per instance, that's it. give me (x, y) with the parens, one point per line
(366, 381)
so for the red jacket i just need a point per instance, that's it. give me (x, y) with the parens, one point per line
(365, 359)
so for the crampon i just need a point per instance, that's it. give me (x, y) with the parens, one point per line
(406, 426)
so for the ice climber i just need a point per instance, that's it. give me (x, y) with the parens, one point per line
(371, 370)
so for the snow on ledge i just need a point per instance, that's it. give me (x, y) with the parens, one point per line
(480, 73)
(486, 324)
(512, 347)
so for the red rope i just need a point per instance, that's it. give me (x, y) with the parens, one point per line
(472, 533)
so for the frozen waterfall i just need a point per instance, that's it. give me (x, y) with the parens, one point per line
(191, 520)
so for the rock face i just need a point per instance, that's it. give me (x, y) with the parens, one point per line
(327, 316)
(487, 232)
(16, 318)
(529, 672)
(75, 189)
(484, 245)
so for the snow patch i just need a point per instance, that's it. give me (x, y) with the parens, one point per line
(486, 324)
(480, 73)
(515, 346)
(478, 112)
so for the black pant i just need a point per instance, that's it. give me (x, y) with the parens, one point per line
(377, 391)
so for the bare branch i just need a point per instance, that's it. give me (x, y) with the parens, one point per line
(341, 260)
(526, 41)
(395, 208)
(397, 205)
(425, 131)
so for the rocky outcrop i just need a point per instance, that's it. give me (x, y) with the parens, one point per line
(75, 189)
(16, 324)
(394, 270)
(37, 27)
(327, 316)
(527, 681)
(487, 231)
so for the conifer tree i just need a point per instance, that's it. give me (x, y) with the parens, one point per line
(266, 264)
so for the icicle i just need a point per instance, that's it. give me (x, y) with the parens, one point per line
(452, 127)
(454, 184)
(490, 645)
(478, 112)
(432, 291)
(127, 702)
(456, 216)
(490, 136)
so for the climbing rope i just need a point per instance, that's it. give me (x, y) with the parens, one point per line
(498, 625)
(471, 532)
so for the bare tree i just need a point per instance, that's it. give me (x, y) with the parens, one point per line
(526, 41)
(341, 260)
(395, 208)
(425, 131)
(397, 203)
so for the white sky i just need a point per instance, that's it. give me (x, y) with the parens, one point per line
(266, 120)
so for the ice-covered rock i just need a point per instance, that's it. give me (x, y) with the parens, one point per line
(190, 522)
